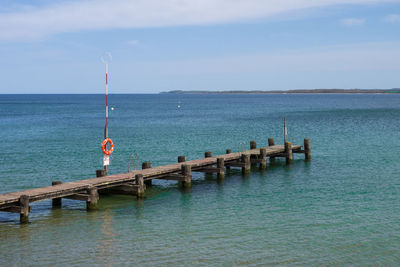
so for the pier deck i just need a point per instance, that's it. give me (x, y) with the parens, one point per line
(135, 182)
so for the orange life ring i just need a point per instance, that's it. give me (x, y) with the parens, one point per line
(103, 146)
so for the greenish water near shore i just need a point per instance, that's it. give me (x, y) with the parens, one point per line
(342, 208)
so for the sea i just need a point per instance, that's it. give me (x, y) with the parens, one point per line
(340, 208)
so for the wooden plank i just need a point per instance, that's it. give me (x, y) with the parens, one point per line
(208, 170)
(14, 209)
(125, 189)
(174, 177)
(280, 155)
(81, 197)
(235, 164)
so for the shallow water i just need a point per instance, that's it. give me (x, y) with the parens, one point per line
(340, 208)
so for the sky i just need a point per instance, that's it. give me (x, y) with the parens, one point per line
(54, 46)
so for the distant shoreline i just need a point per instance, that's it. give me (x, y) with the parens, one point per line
(297, 91)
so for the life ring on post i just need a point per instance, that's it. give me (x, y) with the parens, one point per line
(103, 146)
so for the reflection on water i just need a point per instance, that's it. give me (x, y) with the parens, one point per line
(139, 208)
(106, 244)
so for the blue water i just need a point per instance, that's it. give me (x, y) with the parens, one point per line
(342, 208)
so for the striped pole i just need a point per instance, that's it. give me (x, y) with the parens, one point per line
(106, 58)
(106, 127)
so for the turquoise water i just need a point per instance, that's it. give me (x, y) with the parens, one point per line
(342, 208)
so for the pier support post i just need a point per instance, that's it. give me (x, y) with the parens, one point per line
(181, 159)
(288, 152)
(307, 149)
(220, 166)
(24, 212)
(101, 173)
(186, 171)
(140, 185)
(147, 165)
(228, 151)
(245, 158)
(271, 142)
(91, 204)
(207, 154)
(253, 144)
(263, 158)
(56, 202)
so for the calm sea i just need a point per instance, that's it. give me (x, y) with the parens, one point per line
(342, 208)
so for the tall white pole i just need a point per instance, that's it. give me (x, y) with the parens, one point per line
(106, 127)
(106, 58)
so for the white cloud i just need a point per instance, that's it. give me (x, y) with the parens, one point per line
(38, 22)
(132, 42)
(351, 22)
(353, 57)
(392, 18)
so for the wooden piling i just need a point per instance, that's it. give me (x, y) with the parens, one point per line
(307, 149)
(186, 171)
(181, 158)
(271, 142)
(263, 158)
(101, 173)
(207, 154)
(220, 166)
(147, 165)
(253, 144)
(91, 203)
(141, 187)
(228, 151)
(245, 158)
(288, 153)
(253, 158)
(56, 202)
(24, 212)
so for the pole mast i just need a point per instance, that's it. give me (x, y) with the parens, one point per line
(106, 126)
(106, 58)
(284, 130)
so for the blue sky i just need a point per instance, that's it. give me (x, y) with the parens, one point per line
(159, 45)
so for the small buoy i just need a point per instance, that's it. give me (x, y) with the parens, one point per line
(112, 108)
(179, 106)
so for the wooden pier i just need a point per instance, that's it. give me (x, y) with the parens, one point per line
(134, 183)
